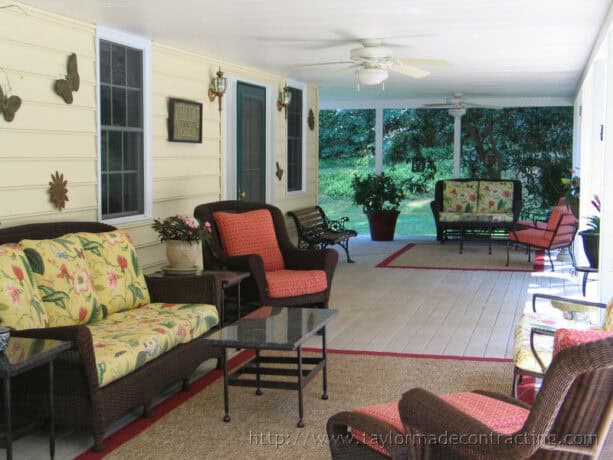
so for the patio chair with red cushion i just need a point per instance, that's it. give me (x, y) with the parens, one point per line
(558, 233)
(570, 419)
(252, 237)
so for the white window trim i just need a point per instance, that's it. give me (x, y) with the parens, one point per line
(144, 44)
(303, 87)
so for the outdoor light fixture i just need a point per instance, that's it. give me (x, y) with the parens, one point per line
(418, 164)
(285, 97)
(218, 87)
(371, 76)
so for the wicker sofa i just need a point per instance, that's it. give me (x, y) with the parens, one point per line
(475, 204)
(126, 348)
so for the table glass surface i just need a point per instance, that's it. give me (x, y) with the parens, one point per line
(273, 328)
(21, 352)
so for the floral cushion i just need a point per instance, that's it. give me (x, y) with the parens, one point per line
(250, 232)
(496, 197)
(127, 340)
(64, 280)
(523, 356)
(566, 338)
(474, 217)
(118, 279)
(460, 196)
(20, 303)
(293, 283)
(608, 319)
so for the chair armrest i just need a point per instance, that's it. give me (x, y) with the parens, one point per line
(566, 300)
(503, 398)
(337, 225)
(81, 342)
(539, 331)
(424, 412)
(253, 264)
(310, 259)
(185, 289)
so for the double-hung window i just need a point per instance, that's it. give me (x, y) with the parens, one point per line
(123, 156)
(294, 142)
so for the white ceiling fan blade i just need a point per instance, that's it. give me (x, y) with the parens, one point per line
(409, 71)
(320, 64)
(439, 106)
(351, 68)
(428, 62)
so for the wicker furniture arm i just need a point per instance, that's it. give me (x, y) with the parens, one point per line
(344, 446)
(566, 300)
(179, 289)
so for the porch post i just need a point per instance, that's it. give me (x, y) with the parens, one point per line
(457, 115)
(379, 140)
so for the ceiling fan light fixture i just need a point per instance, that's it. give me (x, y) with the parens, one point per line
(372, 76)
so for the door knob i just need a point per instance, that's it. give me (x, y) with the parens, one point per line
(242, 195)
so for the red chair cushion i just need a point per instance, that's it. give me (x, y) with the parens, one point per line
(566, 338)
(532, 236)
(250, 232)
(532, 224)
(294, 283)
(497, 415)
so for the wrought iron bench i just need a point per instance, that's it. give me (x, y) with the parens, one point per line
(316, 231)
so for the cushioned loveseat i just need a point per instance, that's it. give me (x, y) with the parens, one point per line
(495, 204)
(131, 337)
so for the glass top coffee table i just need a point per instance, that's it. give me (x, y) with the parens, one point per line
(274, 328)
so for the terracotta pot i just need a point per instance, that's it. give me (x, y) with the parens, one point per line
(182, 254)
(382, 224)
(591, 246)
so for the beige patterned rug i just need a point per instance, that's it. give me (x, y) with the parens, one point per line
(264, 427)
(436, 256)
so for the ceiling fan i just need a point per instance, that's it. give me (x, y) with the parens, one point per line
(457, 101)
(374, 60)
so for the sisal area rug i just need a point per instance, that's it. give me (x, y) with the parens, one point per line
(436, 256)
(190, 426)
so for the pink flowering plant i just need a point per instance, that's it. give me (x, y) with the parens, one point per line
(180, 227)
(593, 222)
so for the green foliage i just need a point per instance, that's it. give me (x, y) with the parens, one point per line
(377, 193)
(179, 227)
(346, 133)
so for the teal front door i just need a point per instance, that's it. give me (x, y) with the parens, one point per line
(251, 142)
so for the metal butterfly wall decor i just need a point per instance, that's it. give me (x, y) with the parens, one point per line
(9, 105)
(70, 83)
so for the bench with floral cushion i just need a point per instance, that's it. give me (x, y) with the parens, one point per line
(131, 336)
(476, 205)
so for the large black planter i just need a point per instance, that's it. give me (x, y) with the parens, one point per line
(382, 224)
(591, 246)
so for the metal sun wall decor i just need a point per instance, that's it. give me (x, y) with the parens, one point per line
(65, 86)
(58, 191)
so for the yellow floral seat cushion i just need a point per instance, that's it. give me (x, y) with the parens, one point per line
(128, 340)
(496, 197)
(20, 303)
(474, 217)
(118, 279)
(63, 279)
(460, 196)
(523, 357)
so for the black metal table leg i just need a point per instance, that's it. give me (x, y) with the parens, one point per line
(238, 301)
(461, 241)
(583, 285)
(51, 413)
(258, 390)
(9, 428)
(226, 402)
(300, 423)
(223, 307)
(324, 369)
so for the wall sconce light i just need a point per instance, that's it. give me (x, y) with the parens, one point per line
(218, 87)
(285, 97)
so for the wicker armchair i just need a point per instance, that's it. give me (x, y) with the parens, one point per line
(570, 419)
(257, 289)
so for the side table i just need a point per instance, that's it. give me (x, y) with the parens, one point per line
(21, 355)
(226, 279)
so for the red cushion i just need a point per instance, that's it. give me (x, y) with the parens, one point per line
(497, 415)
(532, 224)
(293, 283)
(250, 232)
(532, 236)
(566, 338)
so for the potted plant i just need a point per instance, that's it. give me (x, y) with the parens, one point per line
(380, 199)
(571, 187)
(591, 236)
(181, 234)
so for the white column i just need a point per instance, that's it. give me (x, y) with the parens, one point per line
(379, 140)
(457, 115)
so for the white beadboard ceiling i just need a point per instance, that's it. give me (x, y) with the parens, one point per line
(497, 48)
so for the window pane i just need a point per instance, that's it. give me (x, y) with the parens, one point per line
(105, 105)
(134, 108)
(114, 151)
(118, 64)
(105, 62)
(104, 140)
(115, 193)
(294, 141)
(119, 107)
(135, 68)
(132, 151)
(105, 187)
(131, 195)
